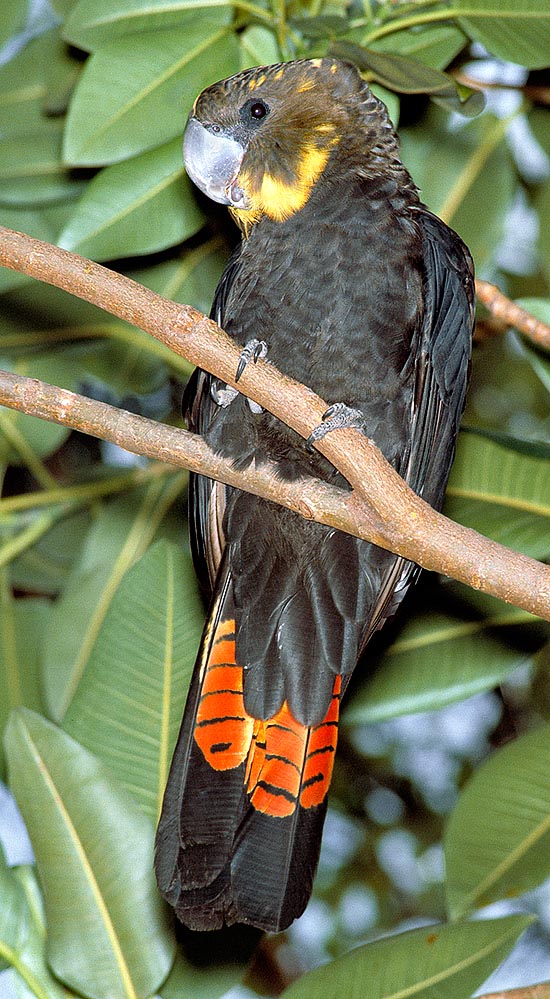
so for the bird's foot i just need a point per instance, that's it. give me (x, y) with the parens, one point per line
(252, 351)
(337, 417)
(223, 396)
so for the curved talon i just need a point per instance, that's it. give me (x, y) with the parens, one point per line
(251, 351)
(223, 397)
(336, 417)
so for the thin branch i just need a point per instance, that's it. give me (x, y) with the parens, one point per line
(510, 314)
(381, 508)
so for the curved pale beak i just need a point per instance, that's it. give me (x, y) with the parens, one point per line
(213, 163)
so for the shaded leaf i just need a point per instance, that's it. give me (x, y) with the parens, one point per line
(465, 175)
(119, 536)
(138, 89)
(203, 982)
(191, 277)
(436, 45)
(502, 494)
(137, 207)
(22, 625)
(497, 841)
(143, 656)
(13, 19)
(31, 171)
(31, 971)
(430, 963)
(517, 30)
(91, 23)
(107, 935)
(458, 644)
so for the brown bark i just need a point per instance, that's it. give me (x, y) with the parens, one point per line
(381, 508)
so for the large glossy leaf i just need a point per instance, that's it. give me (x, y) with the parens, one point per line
(107, 930)
(121, 533)
(497, 842)
(501, 493)
(138, 89)
(258, 47)
(434, 962)
(143, 657)
(137, 207)
(517, 30)
(466, 176)
(459, 644)
(22, 624)
(91, 23)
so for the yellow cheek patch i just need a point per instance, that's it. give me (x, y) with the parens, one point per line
(279, 199)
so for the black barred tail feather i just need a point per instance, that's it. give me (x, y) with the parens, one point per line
(240, 831)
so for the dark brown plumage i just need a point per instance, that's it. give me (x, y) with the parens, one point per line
(364, 295)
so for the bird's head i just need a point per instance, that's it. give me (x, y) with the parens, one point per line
(259, 141)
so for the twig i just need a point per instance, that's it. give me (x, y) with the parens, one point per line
(381, 507)
(541, 991)
(510, 314)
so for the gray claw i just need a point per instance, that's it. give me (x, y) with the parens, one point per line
(336, 417)
(251, 351)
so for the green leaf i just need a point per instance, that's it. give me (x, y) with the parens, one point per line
(13, 19)
(138, 88)
(143, 656)
(91, 23)
(13, 913)
(22, 624)
(435, 45)
(497, 841)
(31, 171)
(517, 30)
(137, 207)
(120, 535)
(501, 493)
(258, 47)
(45, 566)
(462, 644)
(465, 175)
(430, 963)
(26, 953)
(107, 932)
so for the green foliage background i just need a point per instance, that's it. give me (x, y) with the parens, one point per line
(99, 613)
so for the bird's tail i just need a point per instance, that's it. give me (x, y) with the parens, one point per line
(240, 830)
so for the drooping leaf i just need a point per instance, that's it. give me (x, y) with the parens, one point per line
(429, 963)
(497, 841)
(517, 30)
(143, 656)
(459, 643)
(119, 536)
(502, 494)
(138, 89)
(409, 76)
(107, 930)
(136, 207)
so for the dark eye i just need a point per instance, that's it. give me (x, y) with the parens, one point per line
(258, 110)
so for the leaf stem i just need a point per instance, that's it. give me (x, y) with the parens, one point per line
(14, 960)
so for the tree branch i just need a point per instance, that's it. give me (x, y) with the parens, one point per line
(541, 991)
(381, 508)
(510, 314)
